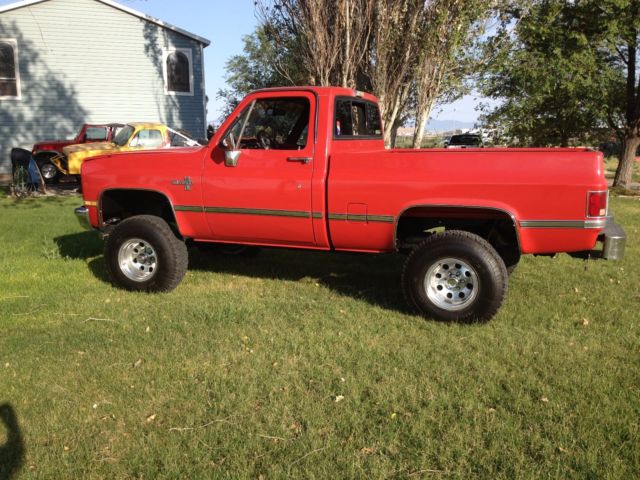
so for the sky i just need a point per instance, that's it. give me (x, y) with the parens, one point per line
(225, 23)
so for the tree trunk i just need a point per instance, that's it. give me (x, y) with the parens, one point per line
(564, 139)
(420, 126)
(624, 173)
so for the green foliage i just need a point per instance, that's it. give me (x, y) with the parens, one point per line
(261, 65)
(549, 77)
(308, 365)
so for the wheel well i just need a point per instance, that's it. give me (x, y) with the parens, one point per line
(45, 154)
(116, 205)
(496, 226)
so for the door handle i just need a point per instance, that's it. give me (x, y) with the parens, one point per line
(304, 160)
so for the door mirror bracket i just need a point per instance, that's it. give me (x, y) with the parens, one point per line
(231, 158)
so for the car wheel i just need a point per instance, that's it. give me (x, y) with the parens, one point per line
(142, 253)
(455, 276)
(48, 170)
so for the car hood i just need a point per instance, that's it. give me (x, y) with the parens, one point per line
(90, 149)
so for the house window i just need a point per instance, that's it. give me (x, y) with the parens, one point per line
(178, 72)
(9, 71)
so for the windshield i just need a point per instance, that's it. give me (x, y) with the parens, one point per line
(123, 136)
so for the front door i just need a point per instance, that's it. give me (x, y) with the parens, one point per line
(266, 196)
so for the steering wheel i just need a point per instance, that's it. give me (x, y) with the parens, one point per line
(264, 139)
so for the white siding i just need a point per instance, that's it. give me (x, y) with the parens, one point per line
(84, 61)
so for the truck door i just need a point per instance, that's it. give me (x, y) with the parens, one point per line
(263, 195)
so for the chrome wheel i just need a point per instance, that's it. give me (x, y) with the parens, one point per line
(451, 284)
(137, 260)
(48, 171)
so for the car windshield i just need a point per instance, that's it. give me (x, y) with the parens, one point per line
(123, 136)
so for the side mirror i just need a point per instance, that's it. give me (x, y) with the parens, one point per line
(231, 158)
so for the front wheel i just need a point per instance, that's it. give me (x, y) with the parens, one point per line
(455, 276)
(48, 170)
(142, 253)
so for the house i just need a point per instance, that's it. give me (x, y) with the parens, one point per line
(68, 62)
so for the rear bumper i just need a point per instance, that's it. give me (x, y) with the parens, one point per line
(614, 240)
(82, 214)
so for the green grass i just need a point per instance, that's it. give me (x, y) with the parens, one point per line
(236, 373)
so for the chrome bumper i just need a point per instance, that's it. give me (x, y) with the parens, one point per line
(614, 240)
(82, 214)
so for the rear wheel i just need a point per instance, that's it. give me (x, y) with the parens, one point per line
(455, 276)
(48, 170)
(142, 253)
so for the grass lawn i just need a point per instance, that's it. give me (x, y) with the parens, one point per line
(308, 365)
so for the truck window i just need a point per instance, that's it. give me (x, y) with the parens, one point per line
(96, 133)
(278, 124)
(356, 118)
(148, 139)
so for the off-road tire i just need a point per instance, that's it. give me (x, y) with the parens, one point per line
(171, 253)
(487, 272)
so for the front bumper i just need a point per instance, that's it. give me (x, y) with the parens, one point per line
(82, 214)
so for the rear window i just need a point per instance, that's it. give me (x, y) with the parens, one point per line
(467, 140)
(356, 118)
(96, 133)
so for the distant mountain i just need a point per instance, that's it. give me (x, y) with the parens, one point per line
(448, 125)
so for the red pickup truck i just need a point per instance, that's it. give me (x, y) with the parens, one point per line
(307, 168)
(44, 151)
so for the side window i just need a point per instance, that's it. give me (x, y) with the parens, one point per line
(177, 139)
(148, 139)
(356, 118)
(9, 71)
(178, 70)
(278, 124)
(96, 134)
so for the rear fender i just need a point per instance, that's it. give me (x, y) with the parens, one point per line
(459, 213)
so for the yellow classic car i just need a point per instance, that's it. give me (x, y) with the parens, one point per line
(133, 136)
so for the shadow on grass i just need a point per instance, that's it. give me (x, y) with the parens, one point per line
(85, 246)
(80, 246)
(372, 278)
(12, 452)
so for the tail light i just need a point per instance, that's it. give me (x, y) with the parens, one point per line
(597, 203)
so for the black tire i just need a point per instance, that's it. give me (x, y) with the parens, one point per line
(165, 256)
(467, 279)
(50, 173)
